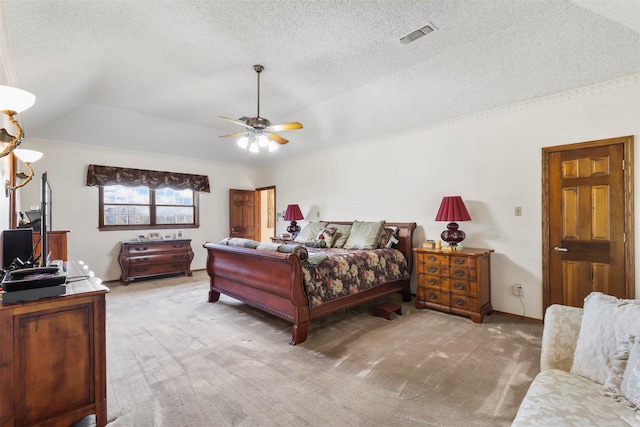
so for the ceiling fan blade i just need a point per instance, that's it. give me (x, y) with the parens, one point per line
(234, 134)
(285, 126)
(236, 122)
(278, 138)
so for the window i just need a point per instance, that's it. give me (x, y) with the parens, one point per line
(143, 208)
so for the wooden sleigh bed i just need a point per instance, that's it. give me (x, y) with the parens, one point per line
(272, 281)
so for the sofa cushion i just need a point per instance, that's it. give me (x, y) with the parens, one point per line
(559, 398)
(606, 320)
(559, 337)
(630, 386)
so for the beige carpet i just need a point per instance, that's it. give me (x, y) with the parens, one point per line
(175, 360)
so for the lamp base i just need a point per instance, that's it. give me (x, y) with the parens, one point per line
(294, 229)
(452, 235)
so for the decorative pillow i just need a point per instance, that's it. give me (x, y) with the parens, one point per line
(327, 234)
(625, 370)
(268, 246)
(606, 320)
(364, 235)
(388, 237)
(310, 231)
(631, 379)
(299, 250)
(317, 243)
(241, 243)
(342, 234)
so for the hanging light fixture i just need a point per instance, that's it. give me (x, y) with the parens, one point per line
(12, 102)
(28, 157)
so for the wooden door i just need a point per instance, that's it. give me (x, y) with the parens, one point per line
(244, 215)
(588, 221)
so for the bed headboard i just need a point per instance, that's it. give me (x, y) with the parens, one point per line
(405, 237)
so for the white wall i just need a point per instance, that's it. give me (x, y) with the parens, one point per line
(492, 160)
(75, 206)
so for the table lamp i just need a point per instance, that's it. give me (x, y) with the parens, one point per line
(452, 209)
(293, 214)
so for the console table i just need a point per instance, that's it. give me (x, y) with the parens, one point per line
(53, 356)
(154, 258)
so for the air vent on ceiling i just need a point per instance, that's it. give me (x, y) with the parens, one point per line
(421, 32)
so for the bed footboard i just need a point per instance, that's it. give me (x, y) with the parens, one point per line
(269, 281)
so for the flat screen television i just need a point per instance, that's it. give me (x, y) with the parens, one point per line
(46, 217)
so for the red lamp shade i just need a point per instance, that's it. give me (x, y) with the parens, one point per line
(453, 209)
(293, 214)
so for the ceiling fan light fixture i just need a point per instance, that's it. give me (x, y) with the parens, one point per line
(243, 142)
(263, 140)
(259, 132)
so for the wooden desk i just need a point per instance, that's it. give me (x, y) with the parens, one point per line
(53, 356)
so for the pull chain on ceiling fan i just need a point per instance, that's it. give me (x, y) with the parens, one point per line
(260, 131)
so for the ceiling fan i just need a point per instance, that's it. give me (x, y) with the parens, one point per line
(259, 131)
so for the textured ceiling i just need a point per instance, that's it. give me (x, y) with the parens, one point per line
(154, 76)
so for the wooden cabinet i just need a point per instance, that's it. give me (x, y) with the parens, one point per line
(58, 244)
(454, 281)
(154, 258)
(53, 357)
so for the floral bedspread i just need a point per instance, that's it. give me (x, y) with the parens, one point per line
(346, 272)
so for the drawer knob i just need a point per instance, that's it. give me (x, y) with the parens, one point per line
(459, 260)
(142, 248)
(433, 296)
(431, 258)
(433, 281)
(459, 286)
(459, 272)
(432, 269)
(459, 301)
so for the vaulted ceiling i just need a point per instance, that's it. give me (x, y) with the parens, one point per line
(154, 76)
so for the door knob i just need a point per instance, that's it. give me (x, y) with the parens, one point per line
(557, 249)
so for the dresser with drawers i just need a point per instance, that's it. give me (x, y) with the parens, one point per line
(154, 258)
(454, 281)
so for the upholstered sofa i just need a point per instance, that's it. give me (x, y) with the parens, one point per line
(590, 366)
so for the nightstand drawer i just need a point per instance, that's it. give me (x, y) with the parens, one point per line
(433, 269)
(432, 259)
(462, 273)
(439, 282)
(434, 296)
(464, 287)
(462, 261)
(464, 302)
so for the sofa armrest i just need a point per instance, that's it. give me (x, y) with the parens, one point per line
(559, 337)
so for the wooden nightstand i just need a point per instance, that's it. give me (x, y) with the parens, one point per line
(281, 239)
(454, 281)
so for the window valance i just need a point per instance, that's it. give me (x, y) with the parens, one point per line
(98, 176)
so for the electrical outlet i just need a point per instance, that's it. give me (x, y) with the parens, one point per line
(518, 290)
